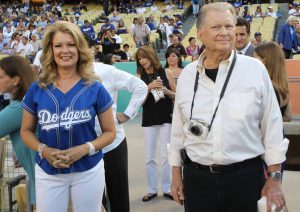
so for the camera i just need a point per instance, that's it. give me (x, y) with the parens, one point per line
(199, 128)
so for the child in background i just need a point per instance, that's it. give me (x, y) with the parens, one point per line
(126, 50)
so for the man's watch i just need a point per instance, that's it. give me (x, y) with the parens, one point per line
(275, 175)
(92, 149)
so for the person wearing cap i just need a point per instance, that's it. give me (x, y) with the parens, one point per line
(257, 39)
(226, 119)
(78, 21)
(287, 37)
(242, 42)
(178, 27)
(271, 12)
(107, 25)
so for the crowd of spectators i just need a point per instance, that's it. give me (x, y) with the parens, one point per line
(22, 26)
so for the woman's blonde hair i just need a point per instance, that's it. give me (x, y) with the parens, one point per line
(149, 53)
(85, 55)
(274, 60)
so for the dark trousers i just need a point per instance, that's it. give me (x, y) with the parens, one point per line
(287, 53)
(116, 178)
(231, 191)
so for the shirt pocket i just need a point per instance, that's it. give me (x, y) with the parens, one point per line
(241, 105)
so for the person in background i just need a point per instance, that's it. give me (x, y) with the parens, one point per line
(196, 6)
(107, 42)
(258, 13)
(287, 37)
(6, 50)
(174, 63)
(69, 157)
(88, 29)
(121, 28)
(116, 155)
(16, 76)
(221, 139)
(107, 25)
(271, 12)
(177, 45)
(156, 118)
(110, 59)
(36, 43)
(271, 55)
(141, 33)
(242, 43)
(115, 19)
(121, 56)
(126, 50)
(257, 39)
(192, 49)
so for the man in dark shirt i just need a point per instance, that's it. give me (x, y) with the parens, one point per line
(177, 45)
(121, 55)
(107, 42)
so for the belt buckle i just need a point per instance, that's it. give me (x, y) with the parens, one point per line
(211, 169)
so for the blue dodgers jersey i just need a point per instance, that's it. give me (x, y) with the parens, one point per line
(67, 119)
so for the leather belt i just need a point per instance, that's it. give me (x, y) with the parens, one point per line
(216, 169)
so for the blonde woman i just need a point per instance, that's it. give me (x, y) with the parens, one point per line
(62, 105)
(273, 58)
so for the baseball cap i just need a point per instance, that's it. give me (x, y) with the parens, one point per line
(106, 20)
(77, 15)
(270, 7)
(257, 34)
(167, 17)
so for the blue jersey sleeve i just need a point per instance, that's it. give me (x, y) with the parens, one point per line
(104, 101)
(28, 102)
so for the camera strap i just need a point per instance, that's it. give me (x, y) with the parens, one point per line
(221, 94)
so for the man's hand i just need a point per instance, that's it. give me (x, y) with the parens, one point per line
(122, 118)
(177, 185)
(274, 194)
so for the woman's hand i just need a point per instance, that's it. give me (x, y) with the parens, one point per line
(69, 156)
(168, 93)
(53, 159)
(156, 84)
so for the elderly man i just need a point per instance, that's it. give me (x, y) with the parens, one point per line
(141, 33)
(287, 37)
(242, 32)
(226, 120)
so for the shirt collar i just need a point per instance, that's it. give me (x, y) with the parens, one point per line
(227, 62)
(245, 48)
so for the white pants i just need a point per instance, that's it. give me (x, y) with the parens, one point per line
(150, 136)
(86, 190)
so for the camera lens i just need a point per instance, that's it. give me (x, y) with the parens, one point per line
(196, 130)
